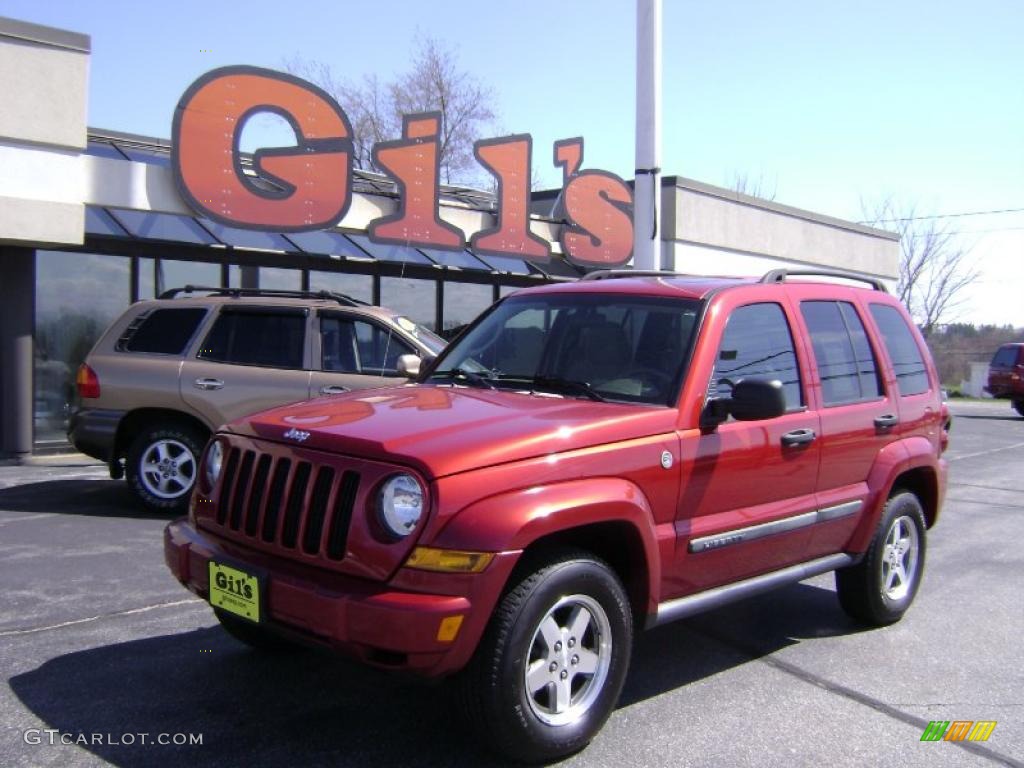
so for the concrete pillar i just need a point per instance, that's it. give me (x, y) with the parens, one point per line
(250, 278)
(17, 317)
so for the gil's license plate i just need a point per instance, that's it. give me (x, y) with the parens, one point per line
(235, 591)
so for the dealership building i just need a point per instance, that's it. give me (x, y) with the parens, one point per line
(91, 221)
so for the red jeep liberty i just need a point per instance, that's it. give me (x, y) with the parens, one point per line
(584, 461)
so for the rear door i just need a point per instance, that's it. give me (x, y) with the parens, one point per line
(915, 382)
(859, 415)
(748, 488)
(252, 358)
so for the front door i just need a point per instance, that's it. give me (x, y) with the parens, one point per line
(748, 488)
(355, 353)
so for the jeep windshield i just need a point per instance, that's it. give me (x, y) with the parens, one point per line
(604, 346)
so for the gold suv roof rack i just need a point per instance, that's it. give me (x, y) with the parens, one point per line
(341, 298)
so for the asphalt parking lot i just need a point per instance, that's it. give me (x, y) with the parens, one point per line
(96, 638)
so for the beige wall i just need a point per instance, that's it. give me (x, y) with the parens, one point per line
(44, 92)
(710, 230)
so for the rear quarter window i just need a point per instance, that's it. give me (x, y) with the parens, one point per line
(907, 361)
(162, 331)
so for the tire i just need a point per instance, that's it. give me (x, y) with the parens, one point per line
(881, 587)
(1018, 406)
(253, 635)
(162, 465)
(520, 693)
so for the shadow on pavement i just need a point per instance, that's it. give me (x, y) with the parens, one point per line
(95, 498)
(677, 654)
(314, 709)
(988, 417)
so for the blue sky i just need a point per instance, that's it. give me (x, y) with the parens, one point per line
(828, 103)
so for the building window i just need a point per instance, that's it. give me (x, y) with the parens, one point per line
(416, 299)
(462, 303)
(357, 286)
(147, 284)
(270, 278)
(278, 279)
(178, 274)
(77, 296)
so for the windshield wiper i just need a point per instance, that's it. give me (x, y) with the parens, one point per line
(470, 377)
(568, 387)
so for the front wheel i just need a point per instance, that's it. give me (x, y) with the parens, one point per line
(881, 587)
(553, 661)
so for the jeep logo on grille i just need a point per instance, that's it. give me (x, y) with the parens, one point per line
(297, 434)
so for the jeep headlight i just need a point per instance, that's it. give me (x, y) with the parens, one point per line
(400, 504)
(214, 462)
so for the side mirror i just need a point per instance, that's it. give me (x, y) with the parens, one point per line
(756, 399)
(409, 366)
(752, 399)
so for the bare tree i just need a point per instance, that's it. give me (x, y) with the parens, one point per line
(935, 268)
(745, 184)
(433, 82)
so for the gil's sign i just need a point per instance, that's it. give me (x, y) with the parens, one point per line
(312, 180)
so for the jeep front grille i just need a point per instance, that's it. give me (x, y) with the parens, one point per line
(296, 505)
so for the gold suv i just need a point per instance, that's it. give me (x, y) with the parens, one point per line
(171, 370)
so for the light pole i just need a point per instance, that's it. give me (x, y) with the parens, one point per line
(647, 191)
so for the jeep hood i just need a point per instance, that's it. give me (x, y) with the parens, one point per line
(443, 430)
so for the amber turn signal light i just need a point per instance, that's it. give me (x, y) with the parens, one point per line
(448, 560)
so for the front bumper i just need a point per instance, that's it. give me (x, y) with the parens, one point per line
(394, 625)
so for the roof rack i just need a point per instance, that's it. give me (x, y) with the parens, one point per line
(780, 275)
(612, 274)
(341, 298)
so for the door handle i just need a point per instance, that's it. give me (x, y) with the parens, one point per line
(886, 421)
(208, 384)
(799, 437)
(333, 389)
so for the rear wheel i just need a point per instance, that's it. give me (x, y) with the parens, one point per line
(1018, 406)
(552, 663)
(881, 587)
(162, 465)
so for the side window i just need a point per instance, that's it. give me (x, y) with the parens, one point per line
(356, 346)
(162, 331)
(757, 342)
(1005, 357)
(272, 339)
(846, 365)
(911, 372)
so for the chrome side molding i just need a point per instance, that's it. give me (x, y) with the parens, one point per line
(682, 607)
(753, 532)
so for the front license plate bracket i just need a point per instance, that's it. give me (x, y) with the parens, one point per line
(236, 591)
